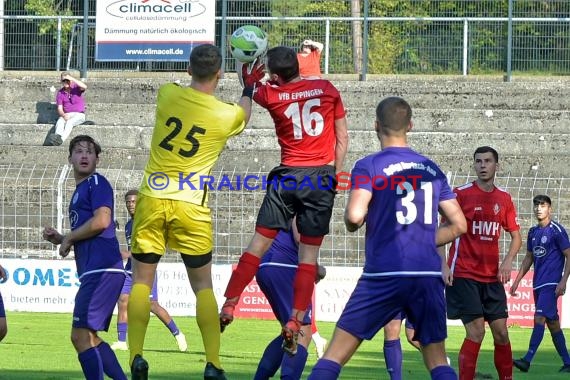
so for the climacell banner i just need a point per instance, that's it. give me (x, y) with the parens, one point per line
(152, 30)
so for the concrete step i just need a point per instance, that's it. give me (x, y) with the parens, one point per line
(359, 117)
(536, 144)
(422, 92)
(258, 160)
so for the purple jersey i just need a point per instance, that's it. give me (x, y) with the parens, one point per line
(547, 244)
(128, 234)
(403, 213)
(71, 101)
(101, 252)
(276, 275)
(284, 250)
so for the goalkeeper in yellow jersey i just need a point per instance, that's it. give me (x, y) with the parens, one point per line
(190, 131)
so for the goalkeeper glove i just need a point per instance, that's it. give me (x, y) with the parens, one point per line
(252, 75)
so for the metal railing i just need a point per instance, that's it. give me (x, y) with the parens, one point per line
(421, 45)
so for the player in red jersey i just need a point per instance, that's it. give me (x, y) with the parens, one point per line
(311, 129)
(477, 294)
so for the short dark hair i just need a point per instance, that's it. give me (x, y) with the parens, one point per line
(394, 114)
(205, 62)
(282, 61)
(486, 149)
(131, 192)
(539, 199)
(84, 138)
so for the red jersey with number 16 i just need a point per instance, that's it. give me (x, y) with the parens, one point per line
(475, 254)
(304, 113)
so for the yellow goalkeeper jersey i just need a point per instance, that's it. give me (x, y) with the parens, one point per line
(190, 131)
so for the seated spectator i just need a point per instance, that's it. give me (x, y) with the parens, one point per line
(309, 58)
(70, 106)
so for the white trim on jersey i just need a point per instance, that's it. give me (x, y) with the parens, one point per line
(558, 226)
(115, 270)
(547, 284)
(466, 186)
(456, 253)
(282, 265)
(402, 274)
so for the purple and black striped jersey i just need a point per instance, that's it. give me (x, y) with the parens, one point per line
(128, 234)
(547, 245)
(101, 252)
(402, 215)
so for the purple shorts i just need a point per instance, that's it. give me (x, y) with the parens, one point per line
(127, 286)
(2, 311)
(402, 316)
(377, 300)
(276, 282)
(545, 301)
(96, 300)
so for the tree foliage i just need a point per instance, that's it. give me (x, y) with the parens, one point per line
(52, 8)
(416, 46)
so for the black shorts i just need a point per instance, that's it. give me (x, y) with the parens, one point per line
(469, 299)
(307, 192)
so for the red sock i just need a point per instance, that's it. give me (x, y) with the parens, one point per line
(468, 359)
(242, 275)
(504, 361)
(303, 286)
(313, 322)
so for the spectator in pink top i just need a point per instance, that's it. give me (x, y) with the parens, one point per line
(70, 105)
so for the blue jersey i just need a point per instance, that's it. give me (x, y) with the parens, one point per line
(128, 234)
(283, 251)
(101, 252)
(547, 244)
(402, 215)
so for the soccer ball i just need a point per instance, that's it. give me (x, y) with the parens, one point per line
(247, 43)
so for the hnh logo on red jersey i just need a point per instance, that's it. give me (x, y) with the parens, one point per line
(481, 227)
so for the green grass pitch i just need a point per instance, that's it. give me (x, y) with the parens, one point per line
(38, 347)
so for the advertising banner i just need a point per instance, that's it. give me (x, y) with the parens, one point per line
(51, 285)
(152, 30)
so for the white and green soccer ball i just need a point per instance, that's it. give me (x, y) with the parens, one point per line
(247, 43)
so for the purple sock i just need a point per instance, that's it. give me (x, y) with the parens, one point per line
(560, 345)
(173, 328)
(535, 339)
(270, 361)
(122, 331)
(393, 358)
(292, 366)
(325, 370)
(111, 365)
(443, 372)
(91, 364)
